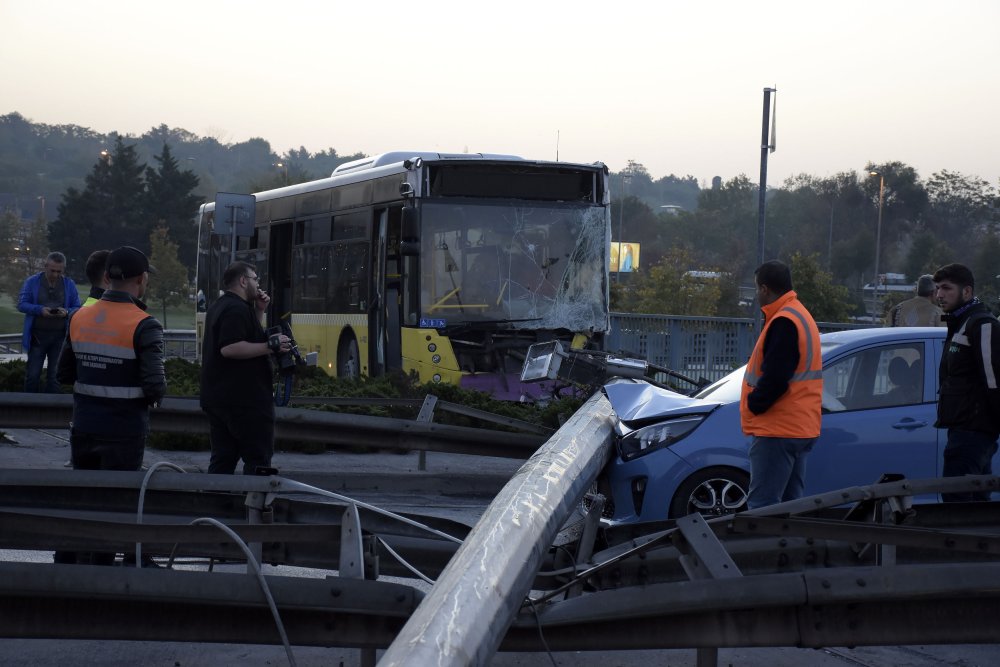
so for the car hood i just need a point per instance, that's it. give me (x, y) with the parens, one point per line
(639, 402)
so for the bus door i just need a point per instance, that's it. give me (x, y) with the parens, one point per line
(385, 315)
(279, 270)
(376, 305)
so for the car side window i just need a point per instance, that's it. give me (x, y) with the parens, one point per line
(879, 377)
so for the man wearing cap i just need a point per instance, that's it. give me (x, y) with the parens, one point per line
(921, 310)
(236, 374)
(113, 357)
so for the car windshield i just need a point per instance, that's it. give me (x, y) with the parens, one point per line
(727, 390)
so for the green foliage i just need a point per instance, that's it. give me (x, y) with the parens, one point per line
(12, 375)
(108, 212)
(671, 288)
(171, 203)
(985, 266)
(183, 377)
(825, 301)
(183, 380)
(11, 275)
(170, 286)
(926, 254)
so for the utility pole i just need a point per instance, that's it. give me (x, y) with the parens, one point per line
(766, 146)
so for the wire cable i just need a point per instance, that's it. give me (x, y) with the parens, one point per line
(541, 635)
(260, 579)
(142, 501)
(404, 563)
(287, 484)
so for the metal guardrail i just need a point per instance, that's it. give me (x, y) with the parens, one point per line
(884, 573)
(708, 347)
(699, 347)
(179, 415)
(177, 343)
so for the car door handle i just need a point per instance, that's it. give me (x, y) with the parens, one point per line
(909, 424)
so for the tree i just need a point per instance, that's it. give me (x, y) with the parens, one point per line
(171, 203)
(904, 206)
(985, 269)
(10, 242)
(826, 302)
(962, 210)
(927, 253)
(671, 287)
(170, 285)
(22, 249)
(108, 212)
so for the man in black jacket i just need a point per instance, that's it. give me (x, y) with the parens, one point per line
(969, 397)
(113, 357)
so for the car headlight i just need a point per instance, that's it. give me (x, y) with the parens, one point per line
(649, 439)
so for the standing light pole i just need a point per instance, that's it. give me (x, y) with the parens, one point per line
(626, 177)
(878, 239)
(766, 146)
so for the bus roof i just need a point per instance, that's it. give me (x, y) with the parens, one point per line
(385, 164)
(401, 156)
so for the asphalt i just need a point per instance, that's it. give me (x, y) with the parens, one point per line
(434, 472)
(444, 474)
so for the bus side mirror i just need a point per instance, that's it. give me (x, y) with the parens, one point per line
(409, 244)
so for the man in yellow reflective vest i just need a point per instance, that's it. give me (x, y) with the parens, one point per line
(96, 264)
(780, 406)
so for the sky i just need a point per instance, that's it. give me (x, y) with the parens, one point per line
(675, 86)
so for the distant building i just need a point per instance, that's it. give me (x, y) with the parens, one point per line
(889, 283)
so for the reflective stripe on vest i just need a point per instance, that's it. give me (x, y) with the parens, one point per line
(797, 413)
(108, 392)
(752, 378)
(102, 337)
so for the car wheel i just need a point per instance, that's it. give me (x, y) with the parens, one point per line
(712, 492)
(348, 359)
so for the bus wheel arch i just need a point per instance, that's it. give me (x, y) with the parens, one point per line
(348, 356)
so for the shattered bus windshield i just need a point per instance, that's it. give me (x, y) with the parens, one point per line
(535, 266)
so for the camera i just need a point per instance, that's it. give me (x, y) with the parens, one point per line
(287, 361)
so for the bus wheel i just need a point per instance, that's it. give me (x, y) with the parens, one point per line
(348, 359)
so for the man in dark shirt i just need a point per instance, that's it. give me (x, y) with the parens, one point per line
(236, 374)
(969, 396)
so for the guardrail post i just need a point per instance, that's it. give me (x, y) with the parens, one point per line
(463, 619)
(426, 415)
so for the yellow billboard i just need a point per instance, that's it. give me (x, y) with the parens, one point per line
(628, 253)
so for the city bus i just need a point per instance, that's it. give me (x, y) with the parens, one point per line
(445, 265)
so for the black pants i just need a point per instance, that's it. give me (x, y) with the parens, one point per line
(968, 453)
(240, 433)
(101, 452)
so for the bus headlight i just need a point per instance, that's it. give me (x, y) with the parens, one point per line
(431, 347)
(436, 377)
(436, 359)
(649, 439)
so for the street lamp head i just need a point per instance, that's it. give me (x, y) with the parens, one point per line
(874, 173)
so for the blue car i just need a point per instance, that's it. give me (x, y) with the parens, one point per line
(678, 454)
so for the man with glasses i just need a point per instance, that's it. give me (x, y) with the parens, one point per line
(236, 374)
